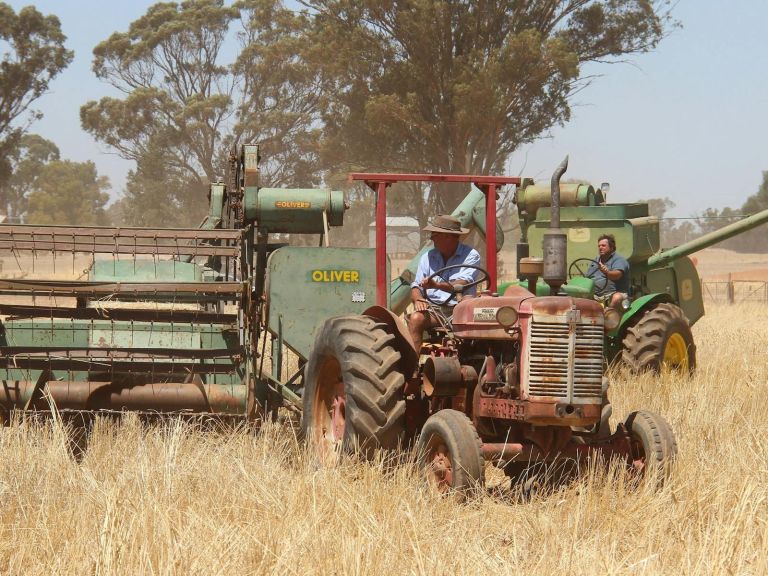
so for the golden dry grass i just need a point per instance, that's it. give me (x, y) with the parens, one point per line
(174, 499)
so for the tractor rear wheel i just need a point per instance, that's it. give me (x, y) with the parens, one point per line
(353, 395)
(450, 455)
(660, 339)
(653, 447)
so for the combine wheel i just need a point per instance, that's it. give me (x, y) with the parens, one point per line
(653, 447)
(660, 339)
(353, 395)
(450, 454)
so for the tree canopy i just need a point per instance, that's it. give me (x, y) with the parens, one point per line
(68, 192)
(188, 98)
(457, 86)
(27, 159)
(33, 53)
(177, 95)
(424, 85)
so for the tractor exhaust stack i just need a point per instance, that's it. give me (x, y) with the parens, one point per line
(555, 240)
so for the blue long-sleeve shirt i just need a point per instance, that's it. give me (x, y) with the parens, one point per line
(433, 261)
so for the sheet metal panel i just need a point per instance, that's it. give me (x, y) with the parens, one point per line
(308, 285)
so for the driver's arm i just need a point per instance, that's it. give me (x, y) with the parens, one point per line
(444, 286)
(418, 300)
(612, 275)
(419, 303)
(467, 275)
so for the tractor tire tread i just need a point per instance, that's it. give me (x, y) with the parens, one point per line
(644, 340)
(369, 364)
(658, 439)
(457, 430)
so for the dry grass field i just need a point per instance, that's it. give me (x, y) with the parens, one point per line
(173, 499)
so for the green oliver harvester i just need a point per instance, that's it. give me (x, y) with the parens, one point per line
(183, 321)
(170, 320)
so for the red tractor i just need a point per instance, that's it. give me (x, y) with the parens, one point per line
(512, 378)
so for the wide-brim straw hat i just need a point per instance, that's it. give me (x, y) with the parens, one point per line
(446, 225)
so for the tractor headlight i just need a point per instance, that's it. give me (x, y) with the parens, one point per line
(612, 319)
(506, 316)
(625, 304)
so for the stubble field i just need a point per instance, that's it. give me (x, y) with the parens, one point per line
(172, 499)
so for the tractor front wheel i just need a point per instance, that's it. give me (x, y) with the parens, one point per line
(653, 447)
(450, 453)
(353, 395)
(660, 339)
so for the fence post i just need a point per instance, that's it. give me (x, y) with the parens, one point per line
(729, 290)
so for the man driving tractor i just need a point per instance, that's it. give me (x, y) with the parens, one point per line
(610, 271)
(446, 232)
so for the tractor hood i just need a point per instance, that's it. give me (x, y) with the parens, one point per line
(478, 317)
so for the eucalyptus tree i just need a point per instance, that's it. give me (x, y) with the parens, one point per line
(197, 78)
(28, 158)
(458, 85)
(32, 54)
(68, 192)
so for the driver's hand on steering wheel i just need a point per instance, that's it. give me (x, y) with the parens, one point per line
(603, 268)
(430, 282)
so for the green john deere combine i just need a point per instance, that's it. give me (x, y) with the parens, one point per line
(665, 299)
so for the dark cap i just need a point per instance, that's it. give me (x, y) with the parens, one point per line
(446, 225)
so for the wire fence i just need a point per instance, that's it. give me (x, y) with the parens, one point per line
(735, 291)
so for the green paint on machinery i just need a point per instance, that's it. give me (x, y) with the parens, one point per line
(665, 298)
(307, 285)
(171, 320)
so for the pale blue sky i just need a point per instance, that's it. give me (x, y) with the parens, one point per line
(686, 121)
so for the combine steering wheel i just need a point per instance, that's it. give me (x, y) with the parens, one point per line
(580, 267)
(455, 288)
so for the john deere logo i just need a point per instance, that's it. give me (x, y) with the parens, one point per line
(579, 234)
(348, 276)
(686, 292)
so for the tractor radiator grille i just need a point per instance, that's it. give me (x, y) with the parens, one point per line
(551, 345)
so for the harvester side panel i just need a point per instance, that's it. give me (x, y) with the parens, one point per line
(308, 285)
(637, 234)
(680, 280)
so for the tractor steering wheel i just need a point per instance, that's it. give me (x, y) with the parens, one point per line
(577, 268)
(455, 288)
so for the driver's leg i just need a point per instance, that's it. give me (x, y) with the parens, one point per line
(417, 323)
(616, 299)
